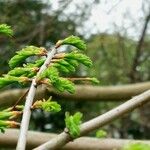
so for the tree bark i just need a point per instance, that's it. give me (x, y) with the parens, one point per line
(83, 93)
(9, 140)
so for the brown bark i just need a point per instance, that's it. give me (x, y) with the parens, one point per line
(9, 140)
(83, 93)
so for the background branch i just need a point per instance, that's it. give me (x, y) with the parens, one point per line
(99, 121)
(83, 92)
(139, 49)
(9, 140)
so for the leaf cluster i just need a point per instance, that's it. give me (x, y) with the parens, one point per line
(70, 61)
(26, 52)
(6, 117)
(22, 74)
(58, 82)
(6, 30)
(73, 124)
(101, 134)
(7, 79)
(47, 105)
(74, 41)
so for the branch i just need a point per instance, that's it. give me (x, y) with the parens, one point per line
(9, 140)
(83, 93)
(139, 49)
(105, 93)
(99, 121)
(28, 103)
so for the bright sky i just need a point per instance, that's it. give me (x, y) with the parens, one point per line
(110, 15)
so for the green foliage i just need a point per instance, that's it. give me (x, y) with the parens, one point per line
(110, 54)
(7, 124)
(74, 63)
(137, 146)
(49, 106)
(101, 134)
(73, 124)
(61, 68)
(20, 71)
(59, 83)
(6, 30)
(66, 64)
(94, 80)
(38, 63)
(4, 81)
(2, 129)
(51, 73)
(70, 61)
(26, 52)
(74, 41)
(7, 79)
(17, 108)
(7, 114)
(63, 84)
(80, 58)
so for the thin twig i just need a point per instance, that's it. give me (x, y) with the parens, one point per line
(98, 122)
(21, 98)
(29, 100)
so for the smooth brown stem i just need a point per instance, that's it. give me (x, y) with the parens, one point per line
(21, 98)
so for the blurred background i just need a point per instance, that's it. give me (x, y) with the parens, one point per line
(117, 34)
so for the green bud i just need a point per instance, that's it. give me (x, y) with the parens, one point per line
(51, 73)
(67, 65)
(19, 107)
(49, 106)
(7, 79)
(26, 52)
(73, 123)
(4, 81)
(101, 134)
(20, 71)
(8, 124)
(63, 84)
(74, 41)
(5, 115)
(94, 80)
(6, 30)
(72, 62)
(9, 114)
(81, 58)
(38, 63)
(61, 68)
